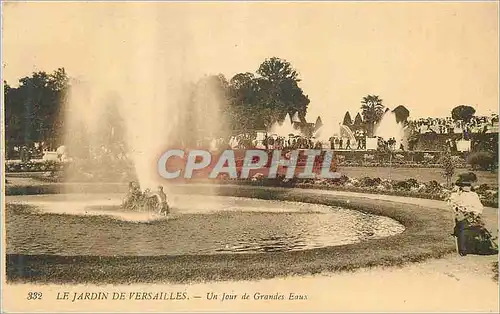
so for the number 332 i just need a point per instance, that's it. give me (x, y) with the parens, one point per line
(34, 296)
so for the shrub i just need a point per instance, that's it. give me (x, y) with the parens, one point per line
(433, 187)
(448, 166)
(370, 182)
(338, 181)
(481, 160)
(483, 188)
(405, 185)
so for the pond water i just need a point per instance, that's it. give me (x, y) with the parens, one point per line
(95, 225)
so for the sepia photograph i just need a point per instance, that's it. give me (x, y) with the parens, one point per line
(249, 156)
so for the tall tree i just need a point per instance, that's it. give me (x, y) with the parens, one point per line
(259, 101)
(358, 121)
(318, 123)
(245, 107)
(372, 110)
(347, 119)
(401, 114)
(14, 124)
(463, 112)
(277, 70)
(279, 86)
(32, 109)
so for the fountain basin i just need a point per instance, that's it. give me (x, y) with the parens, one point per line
(97, 225)
(426, 235)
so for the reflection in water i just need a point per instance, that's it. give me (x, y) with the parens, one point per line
(254, 226)
(269, 244)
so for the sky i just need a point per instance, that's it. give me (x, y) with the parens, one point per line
(427, 56)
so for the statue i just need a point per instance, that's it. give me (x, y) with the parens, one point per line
(148, 201)
(131, 199)
(162, 201)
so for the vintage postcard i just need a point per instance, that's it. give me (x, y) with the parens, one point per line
(249, 156)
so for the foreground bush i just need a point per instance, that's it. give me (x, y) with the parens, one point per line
(34, 166)
(481, 160)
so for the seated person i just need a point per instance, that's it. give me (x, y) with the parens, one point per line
(472, 236)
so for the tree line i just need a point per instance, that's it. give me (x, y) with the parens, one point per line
(34, 110)
(250, 101)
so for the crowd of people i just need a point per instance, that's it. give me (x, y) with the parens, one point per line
(390, 144)
(447, 125)
(300, 142)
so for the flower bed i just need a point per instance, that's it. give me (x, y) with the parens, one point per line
(34, 166)
(406, 188)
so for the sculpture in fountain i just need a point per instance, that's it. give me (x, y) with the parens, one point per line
(146, 201)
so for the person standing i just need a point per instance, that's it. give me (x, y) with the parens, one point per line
(348, 144)
(332, 143)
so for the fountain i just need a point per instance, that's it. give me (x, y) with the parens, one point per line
(334, 128)
(388, 127)
(137, 100)
(284, 128)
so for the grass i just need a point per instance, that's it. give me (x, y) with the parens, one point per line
(426, 236)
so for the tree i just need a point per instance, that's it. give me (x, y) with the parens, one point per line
(257, 102)
(277, 70)
(372, 111)
(401, 114)
(318, 123)
(246, 105)
(13, 118)
(463, 112)
(347, 119)
(241, 86)
(358, 121)
(481, 160)
(32, 109)
(279, 88)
